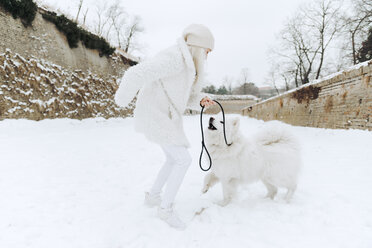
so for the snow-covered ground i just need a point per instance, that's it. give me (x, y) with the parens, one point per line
(79, 184)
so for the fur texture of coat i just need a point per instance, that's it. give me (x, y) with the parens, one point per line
(166, 88)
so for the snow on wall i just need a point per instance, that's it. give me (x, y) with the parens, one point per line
(37, 89)
(233, 97)
(341, 100)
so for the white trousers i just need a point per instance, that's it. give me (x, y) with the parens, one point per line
(177, 162)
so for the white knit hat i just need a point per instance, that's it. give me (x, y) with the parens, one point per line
(198, 35)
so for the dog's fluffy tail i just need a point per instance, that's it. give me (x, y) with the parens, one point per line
(275, 135)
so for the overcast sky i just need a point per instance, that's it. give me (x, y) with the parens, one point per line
(243, 29)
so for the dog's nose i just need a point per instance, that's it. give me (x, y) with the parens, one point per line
(211, 127)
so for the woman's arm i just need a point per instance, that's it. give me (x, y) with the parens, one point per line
(194, 100)
(131, 83)
(198, 99)
(160, 66)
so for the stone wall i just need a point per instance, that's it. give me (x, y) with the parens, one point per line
(232, 104)
(343, 100)
(43, 41)
(42, 77)
(37, 89)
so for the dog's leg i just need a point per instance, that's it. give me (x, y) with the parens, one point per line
(209, 181)
(271, 190)
(290, 193)
(229, 190)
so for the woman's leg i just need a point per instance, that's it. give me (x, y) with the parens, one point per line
(163, 174)
(181, 161)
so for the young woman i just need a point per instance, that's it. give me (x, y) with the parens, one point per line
(168, 83)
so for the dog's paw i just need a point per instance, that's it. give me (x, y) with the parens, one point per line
(205, 189)
(223, 203)
(270, 196)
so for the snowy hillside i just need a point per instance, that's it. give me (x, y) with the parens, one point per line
(37, 89)
(77, 184)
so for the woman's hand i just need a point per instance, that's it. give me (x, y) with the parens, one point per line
(206, 102)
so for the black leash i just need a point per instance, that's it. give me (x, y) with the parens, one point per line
(202, 133)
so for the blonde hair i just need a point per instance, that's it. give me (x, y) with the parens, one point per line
(199, 56)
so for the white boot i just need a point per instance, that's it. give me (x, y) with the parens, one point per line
(152, 200)
(170, 217)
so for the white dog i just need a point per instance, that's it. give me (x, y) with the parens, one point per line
(272, 156)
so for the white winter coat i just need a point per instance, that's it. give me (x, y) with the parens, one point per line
(167, 88)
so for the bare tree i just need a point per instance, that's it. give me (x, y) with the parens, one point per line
(357, 23)
(228, 81)
(244, 86)
(114, 24)
(117, 17)
(244, 75)
(283, 69)
(133, 29)
(119, 24)
(305, 39)
(102, 19)
(300, 48)
(85, 16)
(272, 79)
(323, 21)
(79, 8)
